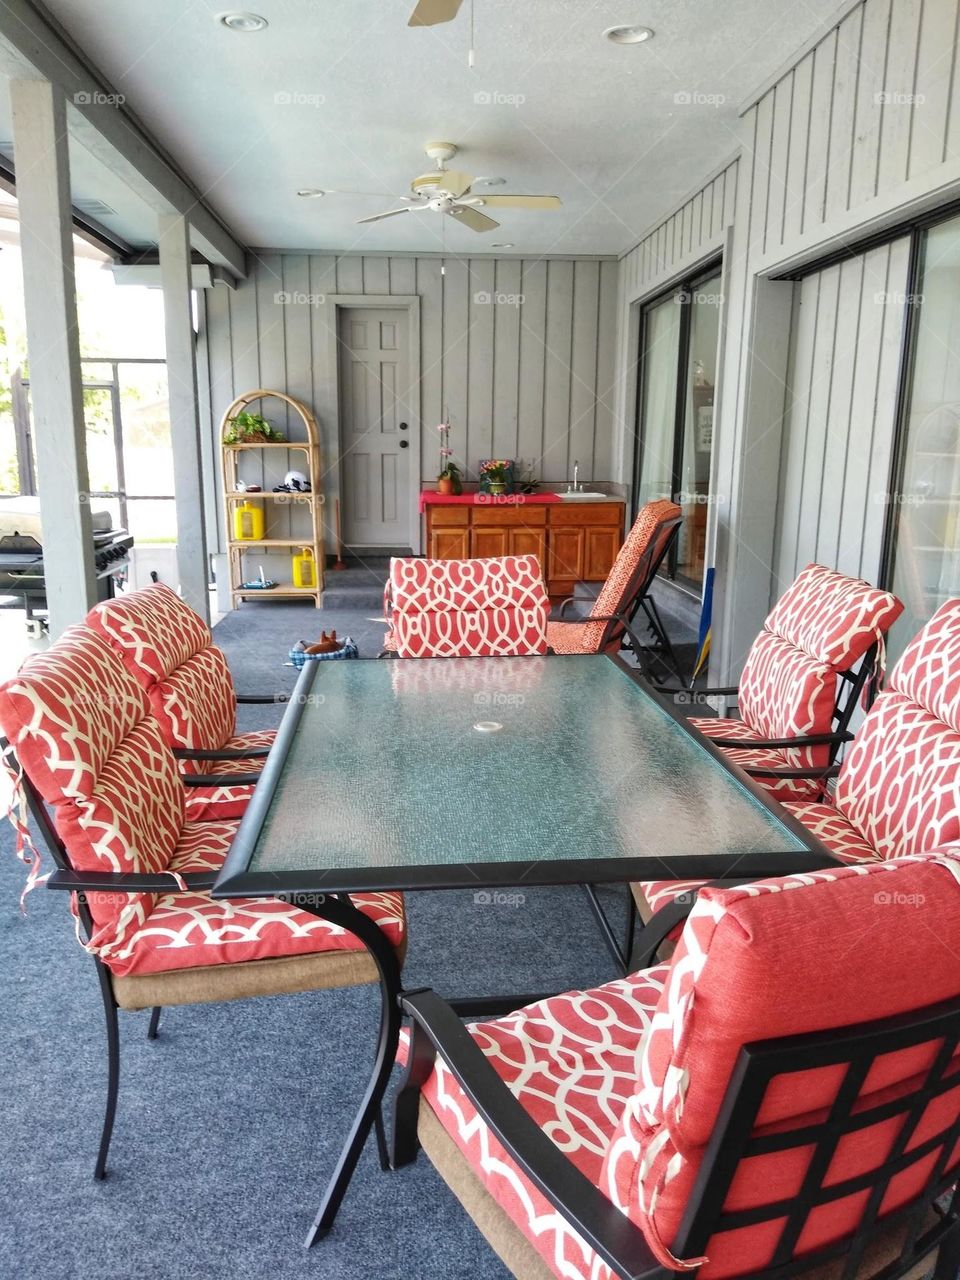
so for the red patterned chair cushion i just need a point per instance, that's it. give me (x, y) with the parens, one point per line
(170, 651)
(586, 1041)
(648, 528)
(755, 962)
(750, 758)
(833, 618)
(217, 803)
(467, 608)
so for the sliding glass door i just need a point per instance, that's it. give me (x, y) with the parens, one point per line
(925, 501)
(678, 374)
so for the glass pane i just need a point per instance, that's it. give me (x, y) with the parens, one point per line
(422, 785)
(147, 451)
(658, 400)
(926, 568)
(701, 379)
(101, 445)
(153, 520)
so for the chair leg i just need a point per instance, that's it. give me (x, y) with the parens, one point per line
(113, 1069)
(379, 1130)
(154, 1023)
(421, 1056)
(948, 1258)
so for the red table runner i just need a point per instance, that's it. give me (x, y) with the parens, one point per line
(430, 498)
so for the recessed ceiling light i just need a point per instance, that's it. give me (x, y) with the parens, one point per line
(628, 35)
(243, 21)
(502, 244)
(311, 193)
(489, 182)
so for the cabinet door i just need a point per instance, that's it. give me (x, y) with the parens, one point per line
(566, 555)
(524, 541)
(449, 543)
(600, 551)
(489, 541)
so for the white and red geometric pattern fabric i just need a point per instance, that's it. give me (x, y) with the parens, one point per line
(169, 650)
(755, 962)
(644, 539)
(82, 730)
(751, 758)
(466, 608)
(571, 1061)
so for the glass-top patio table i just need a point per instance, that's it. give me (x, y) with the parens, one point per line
(488, 772)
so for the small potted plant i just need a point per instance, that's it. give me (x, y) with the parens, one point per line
(496, 476)
(250, 428)
(450, 479)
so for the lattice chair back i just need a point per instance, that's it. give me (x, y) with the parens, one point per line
(169, 650)
(632, 572)
(800, 1078)
(467, 608)
(81, 730)
(821, 627)
(899, 783)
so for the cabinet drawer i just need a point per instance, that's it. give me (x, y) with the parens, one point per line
(448, 517)
(578, 514)
(510, 514)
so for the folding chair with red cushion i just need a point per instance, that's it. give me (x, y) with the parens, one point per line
(466, 608)
(802, 678)
(625, 590)
(782, 1099)
(169, 650)
(84, 746)
(898, 789)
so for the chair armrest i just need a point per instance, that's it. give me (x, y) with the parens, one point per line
(731, 692)
(574, 599)
(220, 779)
(805, 740)
(609, 1232)
(249, 698)
(825, 774)
(252, 753)
(126, 881)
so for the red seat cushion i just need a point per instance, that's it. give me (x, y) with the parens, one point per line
(467, 608)
(750, 758)
(219, 802)
(571, 1061)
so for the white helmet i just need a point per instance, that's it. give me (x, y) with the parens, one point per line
(296, 481)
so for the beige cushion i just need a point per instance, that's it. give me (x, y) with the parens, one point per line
(522, 1260)
(285, 975)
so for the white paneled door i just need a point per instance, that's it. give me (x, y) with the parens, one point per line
(375, 428)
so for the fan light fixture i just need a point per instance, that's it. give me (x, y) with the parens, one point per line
(627, 34)
(243, 21)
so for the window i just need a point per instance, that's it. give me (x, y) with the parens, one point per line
(678, 372)
(924, 525)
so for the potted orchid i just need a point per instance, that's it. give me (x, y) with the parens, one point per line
(449, 479)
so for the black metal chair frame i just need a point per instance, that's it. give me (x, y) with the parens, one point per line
(621, 1244)
(636, 598)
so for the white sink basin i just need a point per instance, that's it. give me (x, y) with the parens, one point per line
(585, 495)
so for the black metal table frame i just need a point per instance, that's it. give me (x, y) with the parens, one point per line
(326, 895)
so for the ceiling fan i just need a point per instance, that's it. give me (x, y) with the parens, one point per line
(447, 191)
(430, 13)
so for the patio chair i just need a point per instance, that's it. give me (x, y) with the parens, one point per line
(897, 791)
(495, 607)
(626, 590)
(802, 679)
(90, 763)
(169, 650)
(781, 1100)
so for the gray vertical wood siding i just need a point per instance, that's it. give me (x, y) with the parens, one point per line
(522, 353)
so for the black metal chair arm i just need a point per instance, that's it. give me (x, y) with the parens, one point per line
(609, 1232)
(805, 740)
(252, 753)
(127, 881)
(825, 774)
(730, 691)
(574, 599)
(249, 698)
(220, 779)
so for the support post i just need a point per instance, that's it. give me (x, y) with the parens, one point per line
(50, 304)
(192, 563)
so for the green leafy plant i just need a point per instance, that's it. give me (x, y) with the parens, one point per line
(452, 472)
(250, 428)
(496, 472)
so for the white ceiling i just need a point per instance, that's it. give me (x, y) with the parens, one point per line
(598, 124)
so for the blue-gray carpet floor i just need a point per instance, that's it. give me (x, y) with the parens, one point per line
(230, 1122)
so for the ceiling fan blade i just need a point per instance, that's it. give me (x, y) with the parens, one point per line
(523, 202)
(472, 218)
(454, 182)
(391, 213)
(430, 12)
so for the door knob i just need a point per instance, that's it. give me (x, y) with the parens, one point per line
(404, 444)
(403, 426)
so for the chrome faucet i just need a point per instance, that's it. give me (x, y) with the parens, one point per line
(575, 487)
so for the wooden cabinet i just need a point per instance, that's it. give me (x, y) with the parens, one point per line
(575, 542)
